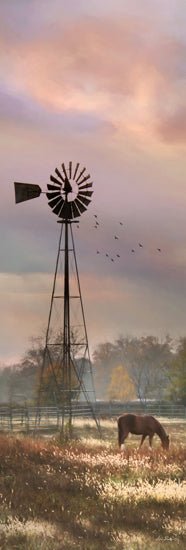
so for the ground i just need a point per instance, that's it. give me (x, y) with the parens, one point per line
(83, 494)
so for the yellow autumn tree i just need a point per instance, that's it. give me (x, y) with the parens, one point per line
(121, 386)
(52, 382)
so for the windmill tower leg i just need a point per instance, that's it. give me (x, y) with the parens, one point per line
(66, 362)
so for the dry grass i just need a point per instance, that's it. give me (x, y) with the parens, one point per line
(84, 494)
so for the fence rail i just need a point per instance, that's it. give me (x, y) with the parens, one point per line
(23, 418)
(112, 409)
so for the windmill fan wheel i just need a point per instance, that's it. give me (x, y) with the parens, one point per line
(70, 192)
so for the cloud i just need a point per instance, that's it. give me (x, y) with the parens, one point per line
(107, 91)
(110, 309)
(172, 127)
(122, 71)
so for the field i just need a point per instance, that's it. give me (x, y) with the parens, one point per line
(83, 494)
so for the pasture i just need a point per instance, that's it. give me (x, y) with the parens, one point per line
(83, 494)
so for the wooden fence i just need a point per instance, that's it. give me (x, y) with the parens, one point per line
(23, 418)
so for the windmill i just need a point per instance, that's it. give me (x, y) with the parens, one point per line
(66, 361)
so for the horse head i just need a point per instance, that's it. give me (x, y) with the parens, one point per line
(166, 442)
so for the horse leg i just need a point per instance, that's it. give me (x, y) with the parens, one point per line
(142, 440)
(122, 434)
(122, 441)
(150, 442)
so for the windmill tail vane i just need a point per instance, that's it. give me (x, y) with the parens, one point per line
(26, 191)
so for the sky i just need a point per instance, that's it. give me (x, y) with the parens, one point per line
(102, 84)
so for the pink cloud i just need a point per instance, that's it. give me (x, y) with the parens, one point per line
(172, 128)
(122, 70)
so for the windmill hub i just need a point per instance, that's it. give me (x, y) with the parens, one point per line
(69, 188)
(70, 192)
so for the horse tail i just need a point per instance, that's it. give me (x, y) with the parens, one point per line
(119, 433)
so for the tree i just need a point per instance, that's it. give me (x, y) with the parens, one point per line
(47, 364)
(105, 359)
(147, 361)
(33, 358)
(54, 388)
(121, 386)
(177, 388)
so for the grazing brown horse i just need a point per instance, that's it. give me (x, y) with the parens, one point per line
(145, 425)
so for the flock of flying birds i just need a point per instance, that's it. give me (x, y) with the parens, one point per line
(116, 238)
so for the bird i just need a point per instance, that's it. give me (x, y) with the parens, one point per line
(118, 256)
(116, 237)
(98, 252)
(112, 260)
(132, 250)
(159, 249)
(120, 223)
(107, 255)
(140, 245)
(95, 215)
(97, 223)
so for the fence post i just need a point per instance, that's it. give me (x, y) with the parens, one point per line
(27, 418)
(11, 418)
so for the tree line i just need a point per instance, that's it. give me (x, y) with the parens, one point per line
(127, 369)
(141, 368)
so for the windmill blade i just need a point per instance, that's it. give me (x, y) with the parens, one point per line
(83, 199)
(26, 191)
(85, 193)
(64, 170)
(85, 186)
(59, 174)
(52, 178)
(76, 213)
(84, 179)
(52, 203)
(53, 195)
(61, 211)
(66, 211)
(76, 169)
(82, 171)
(56, 208)
(80, 206)
(52, 187)
(70, 169)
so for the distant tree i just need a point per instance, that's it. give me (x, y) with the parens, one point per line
(176, 390)
(15, 385)
(147, 361)
(38, 360)
(121, 386)
(53, 385)
(104, 360)
(33, 358)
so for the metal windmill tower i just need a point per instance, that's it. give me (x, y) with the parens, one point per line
(66, 362)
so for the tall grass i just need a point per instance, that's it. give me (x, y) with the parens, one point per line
(84, 494)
